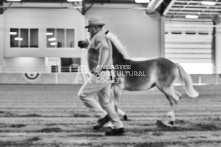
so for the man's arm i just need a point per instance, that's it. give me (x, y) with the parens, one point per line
(103, 57)
(83, 43)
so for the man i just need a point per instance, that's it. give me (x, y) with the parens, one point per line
(100, 64)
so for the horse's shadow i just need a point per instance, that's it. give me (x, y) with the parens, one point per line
(184, 125)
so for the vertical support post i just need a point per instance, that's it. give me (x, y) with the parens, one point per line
(83, 7)
(1, 36)
(214, 47)
(162, 34)
(218, 48)
(56, 78)
(200, 81)
(1, 9)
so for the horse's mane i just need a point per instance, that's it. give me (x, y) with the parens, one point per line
(119, 46)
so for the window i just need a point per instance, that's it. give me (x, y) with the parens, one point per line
(14, 33)
(34, 38)
(60, 38)
(70, 64)
(23, 38)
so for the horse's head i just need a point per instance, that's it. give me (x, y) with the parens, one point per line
(83, 43)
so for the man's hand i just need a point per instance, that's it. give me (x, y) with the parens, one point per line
(83, 43)
(97, 70)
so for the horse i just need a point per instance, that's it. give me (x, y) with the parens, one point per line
(143, 75)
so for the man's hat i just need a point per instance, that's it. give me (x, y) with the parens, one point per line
(95, 21)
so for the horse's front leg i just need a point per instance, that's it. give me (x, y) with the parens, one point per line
(117, 91)
(171, 118)
(173, 97)
(173, 100)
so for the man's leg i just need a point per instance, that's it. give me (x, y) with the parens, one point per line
(86, 95)
(107, 103)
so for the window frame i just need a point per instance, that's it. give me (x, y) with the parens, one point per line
(29, 45)
(65, 38)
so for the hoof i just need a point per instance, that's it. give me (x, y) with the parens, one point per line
(171, 123)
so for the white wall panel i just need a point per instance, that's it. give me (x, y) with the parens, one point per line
(42, 19)
(190, 44)
(218, 48)
(1, 40)
(140, 33)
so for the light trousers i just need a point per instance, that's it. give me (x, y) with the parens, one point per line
(100, 86)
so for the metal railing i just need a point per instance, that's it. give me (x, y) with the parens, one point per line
(51, 69)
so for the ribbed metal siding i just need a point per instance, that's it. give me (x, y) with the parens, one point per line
(189, 43)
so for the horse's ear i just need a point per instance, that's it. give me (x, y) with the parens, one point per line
(107, 32)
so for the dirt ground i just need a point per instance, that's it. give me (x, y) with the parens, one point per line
(53, 116)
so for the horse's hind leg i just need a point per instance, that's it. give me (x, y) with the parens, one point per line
(173, 97)
(172, 93)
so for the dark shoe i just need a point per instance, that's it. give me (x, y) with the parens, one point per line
(115, 132)
(101, 122)
(125, 117)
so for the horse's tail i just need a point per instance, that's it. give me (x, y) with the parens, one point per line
(186, 78)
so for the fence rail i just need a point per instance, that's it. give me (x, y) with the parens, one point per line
(75, 78)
